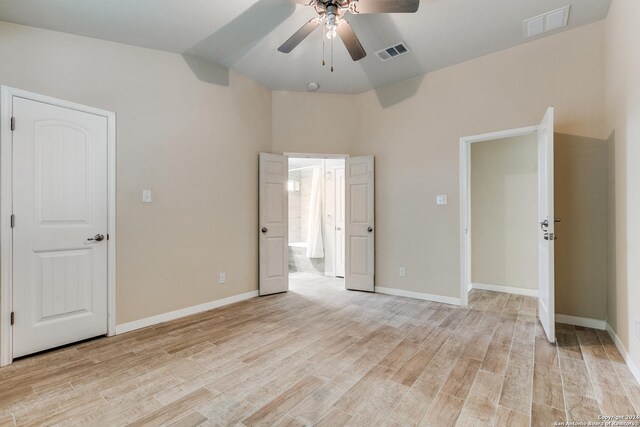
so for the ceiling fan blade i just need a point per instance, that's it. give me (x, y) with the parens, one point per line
(387, 6)
(299, 36)
(351, 41)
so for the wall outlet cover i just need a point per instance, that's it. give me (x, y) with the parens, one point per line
(146, 196)
(441, 199)
(222, 278)
(403, 272)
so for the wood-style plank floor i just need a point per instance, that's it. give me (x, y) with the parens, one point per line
(321, 355)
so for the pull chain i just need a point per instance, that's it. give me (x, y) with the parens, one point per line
(324, 36)
(332, 54)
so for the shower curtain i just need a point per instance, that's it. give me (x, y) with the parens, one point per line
(315, 245)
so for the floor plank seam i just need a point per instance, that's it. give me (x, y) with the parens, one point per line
(353, 334)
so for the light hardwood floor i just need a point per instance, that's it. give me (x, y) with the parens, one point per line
(322, 355)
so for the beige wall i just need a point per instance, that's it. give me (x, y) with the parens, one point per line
(612, 273)
(413, 128)
(194, 144)
(504, 212)
(581, 199)
(314, 123)
(623, 118)
(416, 142)
(178, 135)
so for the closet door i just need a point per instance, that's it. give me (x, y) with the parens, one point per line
(60, 243)
(359, 221)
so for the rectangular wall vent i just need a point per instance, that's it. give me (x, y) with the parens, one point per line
(546, 22)
(393, 51)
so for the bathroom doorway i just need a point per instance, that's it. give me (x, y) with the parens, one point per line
(316, 210)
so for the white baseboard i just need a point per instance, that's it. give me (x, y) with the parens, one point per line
(505, 289)
(418, 295)
(627, 358)
(582, 321)
(172, 315)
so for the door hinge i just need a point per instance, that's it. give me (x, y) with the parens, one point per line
(107, 236)
(13, 318)
(13, 123)
(13, 220)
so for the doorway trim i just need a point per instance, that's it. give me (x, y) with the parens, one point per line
(465, 200)
(316, 155)
(6, 196)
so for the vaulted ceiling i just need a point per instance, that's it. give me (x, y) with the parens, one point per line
(244, 34)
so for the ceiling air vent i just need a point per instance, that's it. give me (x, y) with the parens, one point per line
(546, 22)
(393, 51)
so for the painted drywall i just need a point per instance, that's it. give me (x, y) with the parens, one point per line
(413, 128)
(194, 144)
(416, 142)
(178, 135)
(504, 212)
(315, 123)
(581, 200)
(612, 273)
(623, 118)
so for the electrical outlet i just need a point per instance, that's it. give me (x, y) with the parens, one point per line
(222, 277)
(442, 199)
(403, 272)
(146, 196)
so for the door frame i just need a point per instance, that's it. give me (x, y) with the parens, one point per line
(6, 196)
(465, 200)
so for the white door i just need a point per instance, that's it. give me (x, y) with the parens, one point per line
(546, 267)
(274, 218)
(359, 239)
(59, 234)
(340, 224)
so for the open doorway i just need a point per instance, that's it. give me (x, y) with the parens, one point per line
(498, 213)
(504, 215)
(353, 243)
(316, 217)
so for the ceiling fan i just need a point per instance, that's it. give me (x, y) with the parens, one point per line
(331, 17)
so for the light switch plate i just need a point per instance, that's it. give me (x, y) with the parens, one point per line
(441, 199)
(146, 196)
(222, 277)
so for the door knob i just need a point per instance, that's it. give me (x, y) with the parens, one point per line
(97, 238)
(544, 224)
(370, 229)
(264, 229)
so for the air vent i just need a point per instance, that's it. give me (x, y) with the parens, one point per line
(546, 22)
(393, 51)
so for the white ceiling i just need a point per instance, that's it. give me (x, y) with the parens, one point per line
(244, 34)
